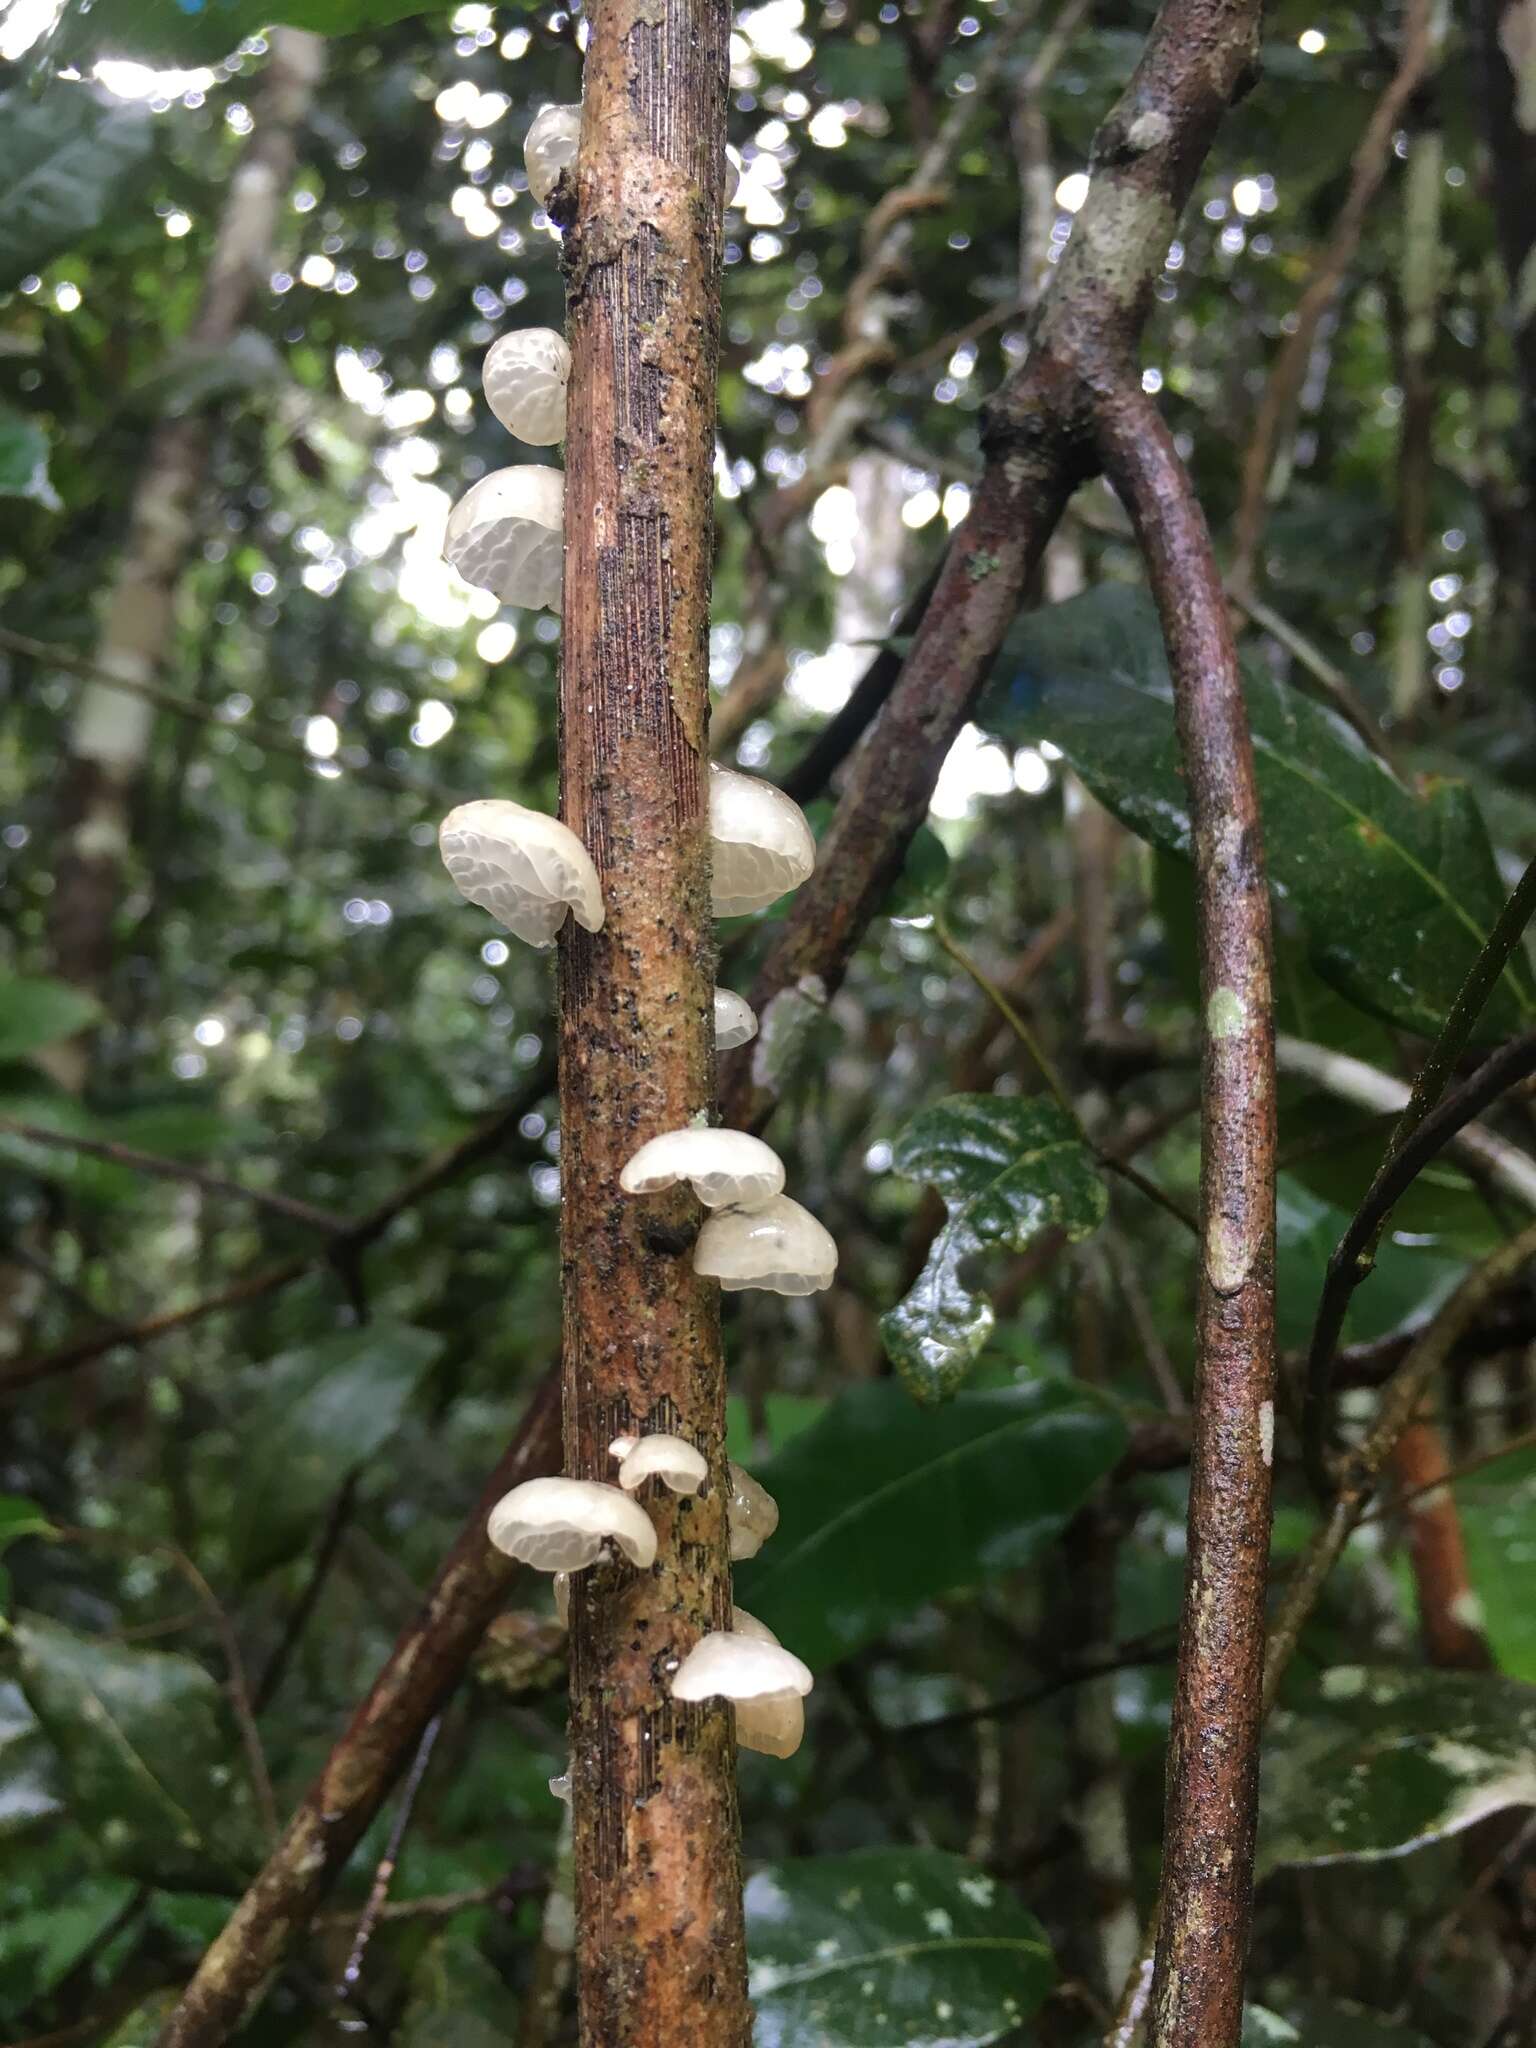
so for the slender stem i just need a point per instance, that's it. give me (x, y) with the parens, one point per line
(378, 1892)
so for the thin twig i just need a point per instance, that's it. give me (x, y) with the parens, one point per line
(378, 1894)
(1337, 689)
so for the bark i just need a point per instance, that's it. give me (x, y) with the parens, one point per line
(660, 1952)
(1420, 272)
(110, 734)
(1450, 1613)
(1507, 34)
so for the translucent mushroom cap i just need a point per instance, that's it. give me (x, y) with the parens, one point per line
(780, 1247)
(735, 1020)
(744, 1624)
(670, 1459)
(732, 174)
(524, 380)
(550, 148)
(762, 844)
(724, 1665)
(526, 869)
(507, 535)
(773, 1725)
(721, 1167)
(753, 1515)
(561, 1525)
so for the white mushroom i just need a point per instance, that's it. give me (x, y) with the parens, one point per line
(550, 148)
(667, 1458)
(524, 379)
(724, 1665)
(744, 1624)
(621, 1447)
(762, 844)
(723, 1167)
(735, 1020)
(561, 1786)
(732, 174)
(526, 869)
(507, 535)
(780, 1247)
(560, 1585)
(561, 1525)
(773, 1725)
(753, 1514)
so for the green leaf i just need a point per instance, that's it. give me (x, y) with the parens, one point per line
(1498, 1515)
(35, 1013)
(145, 1749)
(883, 1505)
(1396, 893)
(24, 460)
(923, 878)
(1009, 1168)
(20, 1518)
(29, 1777)
(458, 2000)
(890, 1948)
(323, 1410)
(1385, 1761)
(1408, 1280)
(203, 31)
(67, 163)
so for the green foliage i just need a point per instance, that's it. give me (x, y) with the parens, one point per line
(1008, 1170)
(68, 162)
(1395, 892)
(35, 1013)
(24, 460)
(883, 1505)
(890, 1948)
(169, 32)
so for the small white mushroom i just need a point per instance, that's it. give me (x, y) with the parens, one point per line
(526, 869)
(753, 1514)
(561, 1525)
(551, 148)
(524, 380)
(735, 1020)
(762, 844)
(780, 1247)
(724, 1665)
(732, 174)
(773, 1725)
(621, 1447)
(722, 1167)
(561, 1787)
(561, 1587)
(668, 1458)
(507, 535)
(744, 1624)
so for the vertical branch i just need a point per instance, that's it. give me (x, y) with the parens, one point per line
(1450, 1614)
(1197, 1990)
(660, 1953)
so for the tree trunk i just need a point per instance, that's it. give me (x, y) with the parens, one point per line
(109, 737)
(660, 1951)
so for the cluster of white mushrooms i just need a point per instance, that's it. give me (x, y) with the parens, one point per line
(530, 872)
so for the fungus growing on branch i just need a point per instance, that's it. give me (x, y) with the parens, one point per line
(725, 1665)
(526, 869)
(722, 1167)
(668, 1458)
(753, 1515)
(561, 1525)
(735, 1020)
(550, 148)
(506, 535)
(762, 844)
(780, 1247)
(524, 380)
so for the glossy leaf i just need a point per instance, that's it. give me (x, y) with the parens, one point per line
(67, 163)
(20, 1518)
(29, 1778)
(146, 1751)
(1396, 892)
(1498, 1523)
(35, 1013)
(322, 1411)
(884, 1505)
(24, 460)
(890, 1948)
(1008, 1170)
(1408, 1280)
(1384, 1761)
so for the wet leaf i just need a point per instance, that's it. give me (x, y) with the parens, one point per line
(1385, 1761)
(24, 460)
(1008, 1169)
(34, 1012)
(884, 1505)
(1396, 892)
(67, 163)
(146, 1751)
(890, 1948)
(29, 1779)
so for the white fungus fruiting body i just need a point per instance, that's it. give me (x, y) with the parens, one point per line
(550, 148)
(507, 535)
(773, 1725)
(732, 174)
(753, 1515)
(724, 1665)
(744, 1624)
(560, 1585)
(735, 1020)
(524, 380)
(762, 844)
(780, 1247)
(670, 1459)
(722, 1167)
(526, 869)
(561, 1525)
(561, 1787)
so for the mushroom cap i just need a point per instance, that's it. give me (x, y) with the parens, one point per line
(524, 380)
(724, 1665)
(723, 1167)
(780, 1247)
(762, 844)
(753, 1515)
(507, 535)
(550, 148)
(560, 1586)
(732, 174)
(735, 1020)
(526, 869)
(561, 1525)
(744, 1624)
(670, 1459)
(560, 1786)
(773, 1725)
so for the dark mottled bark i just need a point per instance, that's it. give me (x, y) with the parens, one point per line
(660, 1951)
